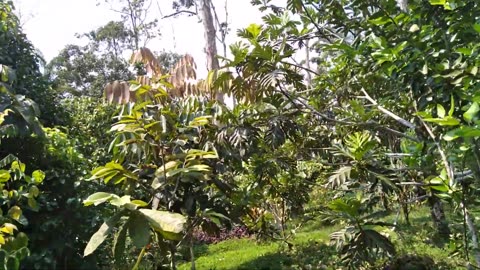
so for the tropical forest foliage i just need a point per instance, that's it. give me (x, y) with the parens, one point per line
(336, 134)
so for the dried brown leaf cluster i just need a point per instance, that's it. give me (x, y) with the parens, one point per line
(118, 92)
(183, 78)
(148, 59)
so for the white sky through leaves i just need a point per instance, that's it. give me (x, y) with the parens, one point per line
(52, 24)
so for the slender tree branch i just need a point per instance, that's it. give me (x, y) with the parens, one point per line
(307, 62)
(179, 12)
(387, 112)
(218, 28)
(323, 116)
(446, 164)
(320, 29)
(301, 67)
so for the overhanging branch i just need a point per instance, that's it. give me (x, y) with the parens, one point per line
(387, 112)
(370, 124)
(178, 13)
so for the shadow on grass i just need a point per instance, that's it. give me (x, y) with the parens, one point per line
(200, 250)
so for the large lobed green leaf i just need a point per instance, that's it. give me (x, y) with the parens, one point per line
(97, 238)
(170, 225)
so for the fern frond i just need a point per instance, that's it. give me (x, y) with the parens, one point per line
(340, 176)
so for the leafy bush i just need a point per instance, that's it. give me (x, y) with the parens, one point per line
(19, 194)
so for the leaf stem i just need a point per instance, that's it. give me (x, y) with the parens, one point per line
(139, 259)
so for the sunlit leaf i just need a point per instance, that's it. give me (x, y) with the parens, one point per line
(8, 228)
(17, 165)
(254, 30)
(447, 121)
(464, 131)
(97, 238)
(4, 176)
(139, 203)
(471, 112)
(98, 198)
(440, 111)
(169, 224)
(38, 176)
(15, 212)
(119, 202)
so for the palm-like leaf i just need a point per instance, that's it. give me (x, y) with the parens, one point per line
(340, 176)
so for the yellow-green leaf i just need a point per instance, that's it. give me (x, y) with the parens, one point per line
(169, 224)
(15, 212)
(32, 203)
(34, 191)
(9, 228)
(17, 165)
(139, 203)
(119, 202)
(38, 176)
(98, 198)
(165, 168)
(471, 112)
(4, 176)
(447, 121)
(440, 111)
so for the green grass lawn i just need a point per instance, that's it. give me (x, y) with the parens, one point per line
(249, 254)
(311, 249)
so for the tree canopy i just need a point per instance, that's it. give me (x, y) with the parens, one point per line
(353, 119)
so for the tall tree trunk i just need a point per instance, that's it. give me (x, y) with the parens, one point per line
(438, 217)
(205, 12)
(473, 232)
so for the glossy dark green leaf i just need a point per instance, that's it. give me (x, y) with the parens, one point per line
(119, 244)
(13, 263)
(139, 230)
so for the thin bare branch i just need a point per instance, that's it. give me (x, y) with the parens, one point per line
(180, 12)
(387, 112)
(301, 67)
(371, 124)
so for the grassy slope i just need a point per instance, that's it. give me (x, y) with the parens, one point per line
(311, 249)
(248, 254)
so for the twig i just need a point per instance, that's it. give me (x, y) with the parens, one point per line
(178, 13)
(319, 29)
(387, 112)
(446, 164)
(307, 61)
(343, 122)
(223, 32)
(171, 25)
(301, 67)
